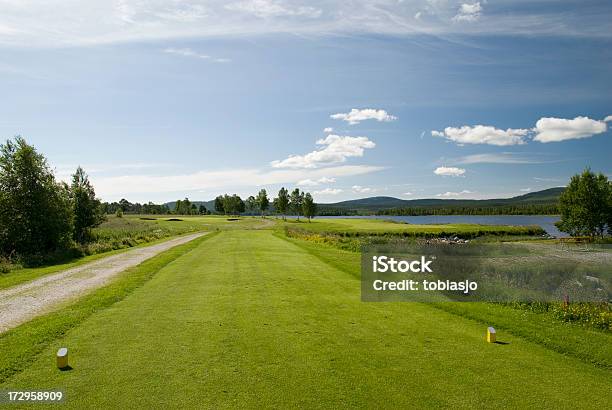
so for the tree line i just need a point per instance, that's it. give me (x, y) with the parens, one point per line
(527, 209)
(182, 207)
(297, 203)
(125, 206)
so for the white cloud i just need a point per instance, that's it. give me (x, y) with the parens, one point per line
(357, 115)
(335, 149)
(362, 189)
(271, 8)
(497, 158)
(407, 193)
(307, 182)
(525, 189)
(483, 134)
(449, 171)
(469, 12)
(329, 191)
(561, 129)
(454, 194)
(187, 52)
(141, 187)
(312, 182)
(35, 23)
(608, 118)
(326, 180)
(328, 130)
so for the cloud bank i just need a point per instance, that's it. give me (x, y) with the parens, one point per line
(187, 52)
(117, 187)
(450, 194)
(31, 23)
(329, 191)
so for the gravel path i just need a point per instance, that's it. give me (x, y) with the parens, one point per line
(23, 302)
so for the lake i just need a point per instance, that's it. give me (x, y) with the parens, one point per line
(546, 222)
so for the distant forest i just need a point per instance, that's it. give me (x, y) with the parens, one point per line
(199, 208)
(534, 209)
(543, 209)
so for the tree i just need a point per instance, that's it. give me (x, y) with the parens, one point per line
(295, 201)
(219, 205)
(585, 205)
(125, 205)
(233, 205)
(609, 218)
(202, 210)
(85, 205)
(35, 211)
(282, 202)
(309, 208)
(251, 203)
(185, 207)
(262, 201)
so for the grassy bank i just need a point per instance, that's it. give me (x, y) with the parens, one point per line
(115, 235)
(577, 339)
(353, 227)
(21, 345)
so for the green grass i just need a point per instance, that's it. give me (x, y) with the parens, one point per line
(21, 345)
(250, 319)
(134, 229)
(22, 275)
(589, 345)
(359, 226)
(116, 235)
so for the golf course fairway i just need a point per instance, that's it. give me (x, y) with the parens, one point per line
(250, 319)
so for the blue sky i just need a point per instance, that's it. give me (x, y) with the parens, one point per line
(159, 100)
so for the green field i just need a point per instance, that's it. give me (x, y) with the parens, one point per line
(358, 226)
(119, 234)
(252, 319)
(141, 226)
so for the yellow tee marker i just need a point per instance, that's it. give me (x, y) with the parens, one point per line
(62, 358)
(491, 337)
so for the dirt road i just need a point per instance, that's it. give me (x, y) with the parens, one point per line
(23, 302)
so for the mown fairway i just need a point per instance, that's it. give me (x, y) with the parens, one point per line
(249, 319)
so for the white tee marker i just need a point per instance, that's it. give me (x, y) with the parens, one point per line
(62, 358)
(491, 336)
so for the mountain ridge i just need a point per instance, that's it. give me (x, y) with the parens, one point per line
(377, 203)
(546, 196)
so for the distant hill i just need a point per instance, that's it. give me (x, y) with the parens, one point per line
(378, 203)
(384, 203)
